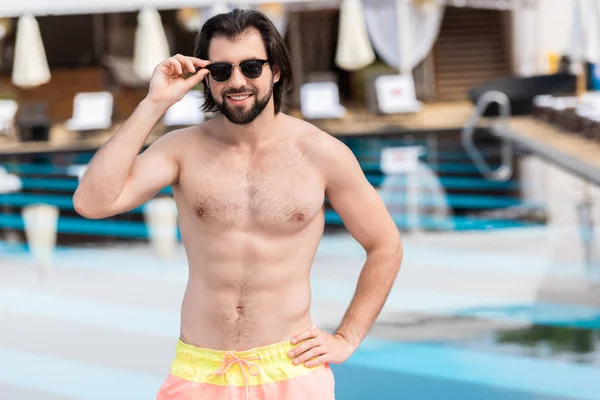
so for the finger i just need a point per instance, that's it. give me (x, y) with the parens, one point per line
(307, 334)
(199, 62)
(312, 353)
(185, 63)
(190, 65)
(322, 359)
(176, 65)
(307, 345)
(166, 65)
(182, 62)
(196, 78)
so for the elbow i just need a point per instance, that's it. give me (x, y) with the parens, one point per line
(86, 207)
(390, 252)
(394, 252)
(399, 254)
(398, 247)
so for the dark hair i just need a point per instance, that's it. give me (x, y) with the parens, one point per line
(232, 25)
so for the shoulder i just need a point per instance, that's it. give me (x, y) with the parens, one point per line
(320, 147)
(327, 153)
(180, 139)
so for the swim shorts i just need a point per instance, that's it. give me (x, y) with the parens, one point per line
(265, 373)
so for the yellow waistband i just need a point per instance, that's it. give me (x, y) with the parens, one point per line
(268, 364)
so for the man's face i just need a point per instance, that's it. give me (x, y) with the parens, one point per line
(241, 99)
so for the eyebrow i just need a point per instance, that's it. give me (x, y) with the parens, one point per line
(245, 59)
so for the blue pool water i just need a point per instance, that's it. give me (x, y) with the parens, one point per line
(465, 370)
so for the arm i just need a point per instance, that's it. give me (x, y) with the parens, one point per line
(368, 221)
(117, 178)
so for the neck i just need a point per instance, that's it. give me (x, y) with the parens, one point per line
(253, 134)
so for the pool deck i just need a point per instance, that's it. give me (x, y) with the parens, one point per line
(434, 116)
(569, 150)
(109, 317)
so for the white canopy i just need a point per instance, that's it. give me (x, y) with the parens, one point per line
(63, 7)
(585, 29)
(146, 60)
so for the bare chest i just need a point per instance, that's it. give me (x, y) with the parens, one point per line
(280, 191)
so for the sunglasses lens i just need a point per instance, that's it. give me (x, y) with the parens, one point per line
(252, 68)
(220, 72)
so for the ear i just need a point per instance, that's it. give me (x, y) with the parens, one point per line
(276, 73)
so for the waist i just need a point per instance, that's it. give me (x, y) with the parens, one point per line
(260, 365)
(220, 319)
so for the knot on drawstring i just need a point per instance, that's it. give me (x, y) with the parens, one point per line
(231, 359)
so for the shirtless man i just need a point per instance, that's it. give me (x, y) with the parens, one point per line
(250, 186)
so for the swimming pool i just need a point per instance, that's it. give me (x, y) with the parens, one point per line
(484, 307)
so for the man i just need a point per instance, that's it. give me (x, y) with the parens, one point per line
(250, 186)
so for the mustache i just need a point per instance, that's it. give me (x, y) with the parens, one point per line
(230, 92)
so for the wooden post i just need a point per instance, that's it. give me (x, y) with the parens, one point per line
(582, 79)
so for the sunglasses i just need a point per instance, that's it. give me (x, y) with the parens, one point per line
(221, 72)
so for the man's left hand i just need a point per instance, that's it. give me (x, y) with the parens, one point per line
(319, 347)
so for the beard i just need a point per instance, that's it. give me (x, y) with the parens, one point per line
(238, 114)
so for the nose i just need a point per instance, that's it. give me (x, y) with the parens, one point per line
(237, 79)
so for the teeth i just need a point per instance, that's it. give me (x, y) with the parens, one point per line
(240, 97)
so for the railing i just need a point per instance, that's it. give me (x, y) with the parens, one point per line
(501, 129)
(504, 172)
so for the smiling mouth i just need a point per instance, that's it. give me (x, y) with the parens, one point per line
(239, 97)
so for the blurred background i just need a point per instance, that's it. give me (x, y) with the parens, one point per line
(478, 121)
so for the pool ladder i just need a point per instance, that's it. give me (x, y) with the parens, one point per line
(505, 170)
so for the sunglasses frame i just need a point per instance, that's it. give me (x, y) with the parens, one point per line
(233, 66)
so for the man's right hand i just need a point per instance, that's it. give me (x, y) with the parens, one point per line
(168, 85)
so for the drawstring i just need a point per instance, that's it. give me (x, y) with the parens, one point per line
(231, 358)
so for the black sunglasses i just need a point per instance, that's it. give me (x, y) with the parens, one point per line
(221, 71)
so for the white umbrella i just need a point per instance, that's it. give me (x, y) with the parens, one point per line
(151, 46)
(40, 222)
(160, 215)
(30, 67)
(9, 182)
(354, 49)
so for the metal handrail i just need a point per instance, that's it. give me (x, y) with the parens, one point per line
(505, 171)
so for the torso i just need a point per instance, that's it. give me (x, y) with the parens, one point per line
(250, 222)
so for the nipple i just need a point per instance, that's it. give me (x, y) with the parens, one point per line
(298, 216)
